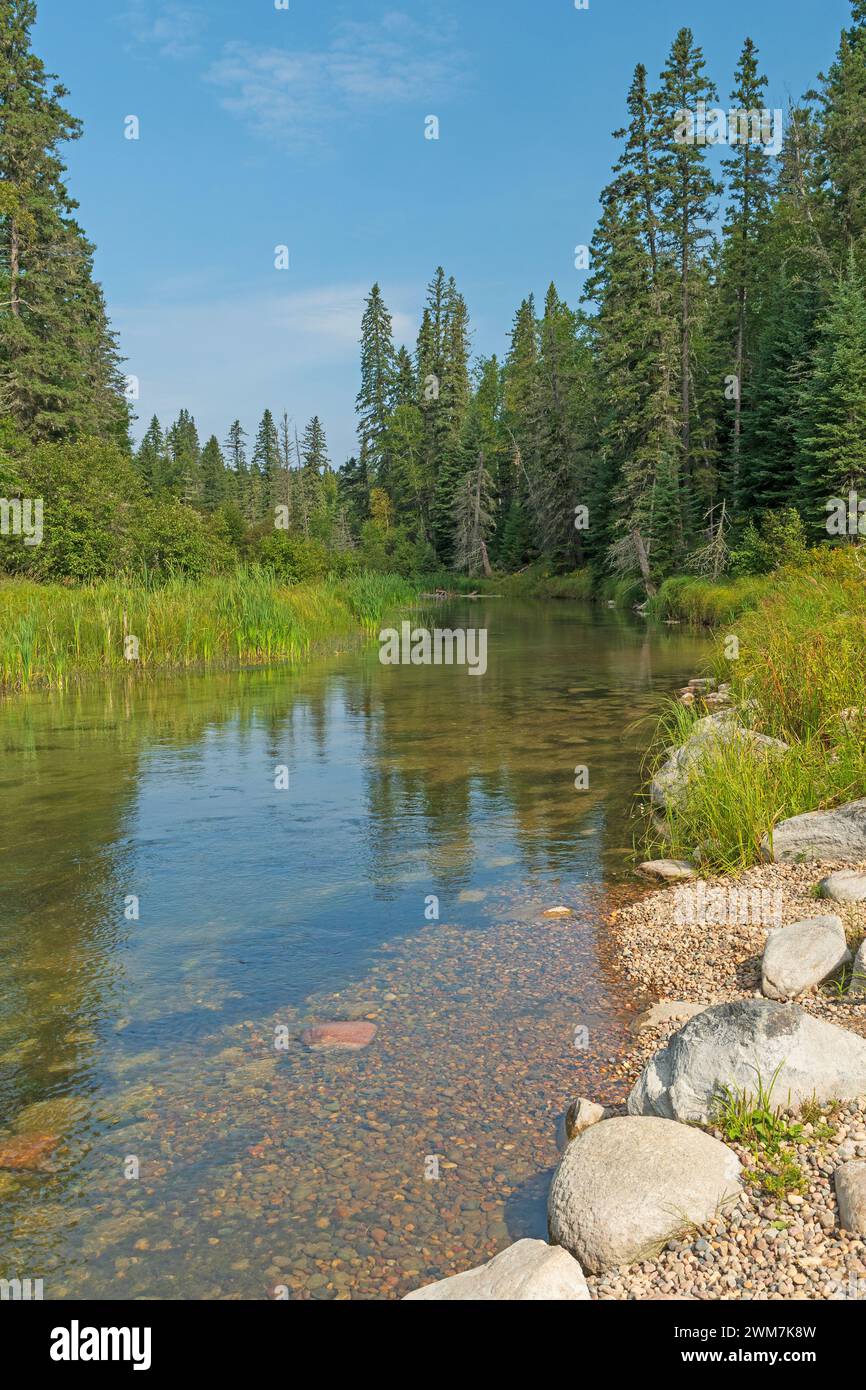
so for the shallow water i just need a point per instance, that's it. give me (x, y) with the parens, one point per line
(264, 1172)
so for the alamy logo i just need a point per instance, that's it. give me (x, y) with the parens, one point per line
(441, 647)
(727, 907)
(77, 1343)
(20, 1290)
(713, 126)
(22, 517)
(846, 518)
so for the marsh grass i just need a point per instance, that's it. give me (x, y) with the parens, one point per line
(51, 635)
(800, 677)
(696, 600)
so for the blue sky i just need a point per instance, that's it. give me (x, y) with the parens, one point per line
(305, 126)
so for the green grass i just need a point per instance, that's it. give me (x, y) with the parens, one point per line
(799, 676)
(750, 1119)
(701, 601)
(51, 635)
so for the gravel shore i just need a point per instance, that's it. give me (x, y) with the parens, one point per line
(765, 1246)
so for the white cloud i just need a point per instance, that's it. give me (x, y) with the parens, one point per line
(293, 94)
(174, 29)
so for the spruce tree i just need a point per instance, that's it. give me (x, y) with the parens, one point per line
(833, 437)
(266, 464)
(60, 371)
(376, 396)
(686, 201)
(213, 476)
(749, 188)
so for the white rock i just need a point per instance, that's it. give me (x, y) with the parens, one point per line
(798, 957)
(626, 1187)
(846, 886)
(529, 1270)
(669, 870)
(850, 1181)
(729, 1045)
(817, 835)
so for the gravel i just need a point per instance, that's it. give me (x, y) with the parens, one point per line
(765, 1246)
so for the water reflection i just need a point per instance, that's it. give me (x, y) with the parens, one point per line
(404, 783)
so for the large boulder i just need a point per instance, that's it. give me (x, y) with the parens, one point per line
(731, 1045)
(817, 835)
(798, 957)
(531, 1270)
(627, 1186)
(671, 780)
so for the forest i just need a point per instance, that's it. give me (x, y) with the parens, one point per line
(696, 411)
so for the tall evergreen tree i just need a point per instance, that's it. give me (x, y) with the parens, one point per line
(378, 379)
(749, 188)
(60, 371)
(834, 417)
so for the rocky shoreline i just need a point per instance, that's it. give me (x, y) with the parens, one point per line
(737, 1167)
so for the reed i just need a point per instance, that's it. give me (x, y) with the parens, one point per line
(52, 635)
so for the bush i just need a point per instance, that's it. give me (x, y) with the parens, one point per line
(779, 539)
(294, 559)
(98, 521)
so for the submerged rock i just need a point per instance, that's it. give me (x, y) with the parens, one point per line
(798, 957)
(350, 1036)
(817, 835)
(732, 1045)
(528, 1270)
(626, 1187)
(26, 1151)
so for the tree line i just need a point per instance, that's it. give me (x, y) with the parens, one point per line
(696, 411)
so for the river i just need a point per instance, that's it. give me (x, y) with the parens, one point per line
(196, 868)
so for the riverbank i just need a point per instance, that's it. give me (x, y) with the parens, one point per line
(783, 1239)
(793, 741)
(52, 635)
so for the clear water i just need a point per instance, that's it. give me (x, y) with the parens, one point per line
(152, 1038)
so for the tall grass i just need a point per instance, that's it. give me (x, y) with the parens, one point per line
(703, 601)
(51, 635)
(800, 677)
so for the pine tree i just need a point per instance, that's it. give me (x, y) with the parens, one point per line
(772, 426)
(834, 417)
(150, 460)
(749, 187)
(376, 396)
(266, 465)
(315, 467)
(184, 454)
(213, 476)
(686, 191)
(841, 159)
(60, 371)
